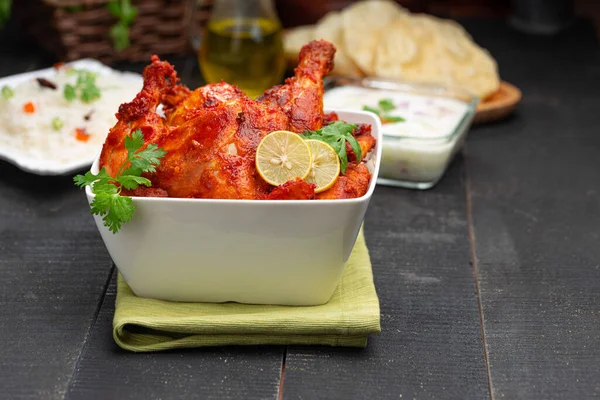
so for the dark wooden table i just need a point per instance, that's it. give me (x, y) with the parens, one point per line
(489, 283)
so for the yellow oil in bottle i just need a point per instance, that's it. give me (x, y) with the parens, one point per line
(247, 53)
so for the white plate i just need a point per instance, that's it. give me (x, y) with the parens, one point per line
(47, 167)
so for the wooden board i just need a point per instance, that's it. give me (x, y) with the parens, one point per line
(534, 191)
(53, 273)
(499, 105)
(534, 183)
(430, 346)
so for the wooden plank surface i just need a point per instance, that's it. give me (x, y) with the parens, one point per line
(53, 272)
(430, 345)
(105, 371)
(532, 185)
(535, 191)
(53, 266)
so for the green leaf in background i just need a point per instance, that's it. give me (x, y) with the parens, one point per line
(126, 13)
(119, 33)
(85, 86)
(69, 92)
(384, 107)
(114, 8)
(371, 109)
(391, 118)
(386, 104)
(74, 9)
(5, 6)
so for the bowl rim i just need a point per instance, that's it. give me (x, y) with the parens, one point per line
(424, 89)
(376, 132)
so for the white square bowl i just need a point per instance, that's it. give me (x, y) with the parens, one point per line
(288, 252)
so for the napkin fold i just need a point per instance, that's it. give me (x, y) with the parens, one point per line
(350, 316)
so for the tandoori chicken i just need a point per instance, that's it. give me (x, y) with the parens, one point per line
(211, 134)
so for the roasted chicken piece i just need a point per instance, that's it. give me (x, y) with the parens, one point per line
(211, 134)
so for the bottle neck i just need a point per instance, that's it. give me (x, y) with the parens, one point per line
(243, 9)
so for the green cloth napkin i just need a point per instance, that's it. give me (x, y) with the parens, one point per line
(346, 320)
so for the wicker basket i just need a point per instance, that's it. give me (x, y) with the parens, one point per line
(73, 29)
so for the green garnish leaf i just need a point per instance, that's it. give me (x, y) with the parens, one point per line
(384, 107)
(147, 160)
(69, 92)
(57, 124)
(336, 135)
(89, 93)
(338, 128)
(391, 118)
(387, 104)
(371, 109)
(355, 146)
(7, 92)
(89, 178)
(134, 142)
(85, 86)
(132, 182)
(108, 202)
(343, 157)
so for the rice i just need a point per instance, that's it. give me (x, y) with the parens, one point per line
(32, 135)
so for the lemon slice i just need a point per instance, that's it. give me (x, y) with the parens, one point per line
(282, 156)
(325, 165)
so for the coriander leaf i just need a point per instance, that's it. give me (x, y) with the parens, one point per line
(311, 135)
(132, 171)
(101, 203)
(338, 128)
(69, 92)
(372, 109)
(104, 186)
(89, 93)
(134, 142)
(148, 159)
(131, 182)
(336, 134)
(335, 142)
(391, 118)
(121, 210)
(343, 158)
(89, 178)
(386, 104)
(145, 160)
(85, 180)
(108, 202)
(355, 147)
